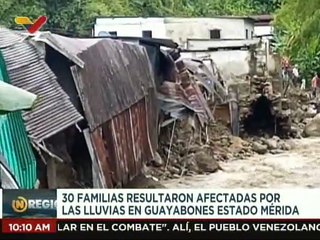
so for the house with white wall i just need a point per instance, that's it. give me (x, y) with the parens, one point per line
(177, 29)
(268, 60)
(263, 25)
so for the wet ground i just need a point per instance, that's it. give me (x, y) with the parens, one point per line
(299, 167)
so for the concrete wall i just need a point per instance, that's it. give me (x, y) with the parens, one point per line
(268, 57)
(177, 29)
(229, 62)
(180, 30)
(205, 44)
(263, 30)
(131, 27)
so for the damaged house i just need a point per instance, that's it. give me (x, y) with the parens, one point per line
(112, 84)
(52, 114)
(96, 122)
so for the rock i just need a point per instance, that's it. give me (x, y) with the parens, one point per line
(271, 144)
(313, 127)
(259, 148)
(307, 120)
(191, 164)
(285, 146)
(276, 151)
(304, 108)
(311, 112)
(157, 161)
(206, 163)
(276, 138)
(237, 144)
(142, 181)
(291, 143)
(286, 112)
(173, 170)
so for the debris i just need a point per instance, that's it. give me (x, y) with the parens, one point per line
(313, 127)
(259, 148)
(157, 161)
(142, 181)
(206, 163)
(271, 144)
(267, 121)
(285, 146)
(276, 151)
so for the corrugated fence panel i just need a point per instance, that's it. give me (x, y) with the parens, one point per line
(137, 137)
(152, 112)
(129, 143)
(103, 155)
(122, 145)
(118, 132)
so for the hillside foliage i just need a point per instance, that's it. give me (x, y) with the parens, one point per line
(297, 25)
(76, 17)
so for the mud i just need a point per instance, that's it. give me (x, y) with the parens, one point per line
(299, 167)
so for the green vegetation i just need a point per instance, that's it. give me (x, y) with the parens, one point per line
(77, 16)
(297, 25)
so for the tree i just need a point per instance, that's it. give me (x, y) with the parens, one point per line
(76, 17)
(297, 25)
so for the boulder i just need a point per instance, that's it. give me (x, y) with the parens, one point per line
(271, 144)
(311, 112)
(206, 163)
(276, 138)
(237, 144)
(276, 151)
(285, 146)
(292, 143)
(259, 148)
(312, 129)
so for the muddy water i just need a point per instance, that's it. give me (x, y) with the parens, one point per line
(299, 167)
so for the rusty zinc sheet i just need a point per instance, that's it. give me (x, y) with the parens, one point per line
(117, 91)
(116, 75)
(27, 69)
(184, 94)
(123, 144)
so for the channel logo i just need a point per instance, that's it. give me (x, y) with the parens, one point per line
(21, 204)
(29, 203)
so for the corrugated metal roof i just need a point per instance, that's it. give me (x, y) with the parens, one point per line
(116, 76)
(149, 41)
(27, 69)
(15, 145)
(69, 47)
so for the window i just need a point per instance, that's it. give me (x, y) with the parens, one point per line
(251, 34)
(247, 34)
(113, 33)
(215, 34)
(147, 34)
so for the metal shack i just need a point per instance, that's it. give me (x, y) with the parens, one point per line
(112, 83)
(23, 66)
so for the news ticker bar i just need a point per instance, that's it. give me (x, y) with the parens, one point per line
(161, 203)
(161, 229)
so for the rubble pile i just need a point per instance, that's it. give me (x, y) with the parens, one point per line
(191, 143)
(189, 153)
(302, 110)
(268, 116)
